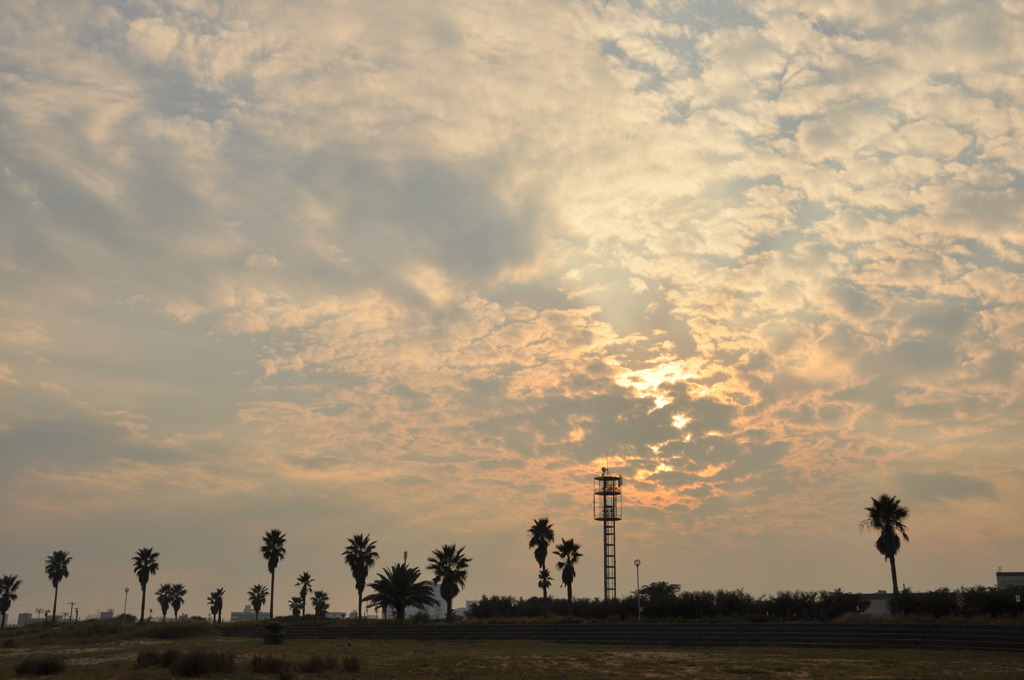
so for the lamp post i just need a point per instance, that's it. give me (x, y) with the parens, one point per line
(638, 610)
(124, 614)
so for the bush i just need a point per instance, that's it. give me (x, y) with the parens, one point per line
(267, 663)
(40, 664)
(351, 663)
(203, 662)
(317, 663)
(148, 657)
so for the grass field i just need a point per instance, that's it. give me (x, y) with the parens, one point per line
(115, 656)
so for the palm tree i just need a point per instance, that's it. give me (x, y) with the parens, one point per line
(320, 603)
(542, 534)
(400, 587)
(544, 579)
(360, 556)
(886, 515)
(305, 580)
(450, 567)
(9, 585)
(178, 594)
(57, 570)
(273, 552)
(164, 594)
(569, 552)
(216, 602)
(257, 598)
(296, 605)
(144, 565)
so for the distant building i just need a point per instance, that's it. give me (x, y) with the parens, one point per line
(878, 603)
(247, 614)
(1009, 579)
(107, 615)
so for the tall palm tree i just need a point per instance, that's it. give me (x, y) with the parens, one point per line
(542, 534)
(569, 553)
(400, 587)
(360, 556)
(296, 605)
(273, 552)
(886, 515)
(257, 598)
(144, 565)
(320, 602)
(164, 595)
(9, 585)
(216, 602)
(178, 594)
(305, 581)
(450, 566)
(57, 570)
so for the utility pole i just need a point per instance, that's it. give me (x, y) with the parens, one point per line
(71, 612)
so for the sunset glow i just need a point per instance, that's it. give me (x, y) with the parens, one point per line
(419, 270)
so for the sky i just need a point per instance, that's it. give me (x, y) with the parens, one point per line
(420, 270)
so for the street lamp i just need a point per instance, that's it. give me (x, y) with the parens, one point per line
(638, 610)
(124, 614)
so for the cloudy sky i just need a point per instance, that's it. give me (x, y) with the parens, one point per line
(422, 269)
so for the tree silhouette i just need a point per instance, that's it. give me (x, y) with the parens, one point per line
(9, 585)
(257, 598)
(360, 556)
(216, 602)
(399, 587)
(305, 581)
(144, 565)
(544, 580)
(569, 552)
(542, 534)
(164, 594)
(57, 570)
(296, 605)
(178, 594)
(450, 566)
(886, 515)
(320, 603)
(273, 552)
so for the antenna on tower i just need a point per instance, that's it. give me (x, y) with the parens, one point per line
(607, 509)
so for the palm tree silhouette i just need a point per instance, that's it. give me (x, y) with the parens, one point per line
(57, 570)
(296, 605)
(9, 585)
(450, 566)
(569, 552)
(164, 594)
(178, 594)
(360, 556)
(144, 565)
(886, 515)
(305, 580)
(257, 598)
(216, 602)
(320, 603)
(542, 534)
(273, 552)
(400, 587)
(544, 580)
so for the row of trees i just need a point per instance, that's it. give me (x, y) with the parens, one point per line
(399, 586)
(396, 588)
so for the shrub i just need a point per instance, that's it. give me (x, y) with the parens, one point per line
(350, 663)
(40, 664)
(203, 662)
(267, 663)
(317, 663)
(148, 657)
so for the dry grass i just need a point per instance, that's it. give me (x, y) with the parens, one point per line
(377, 660)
